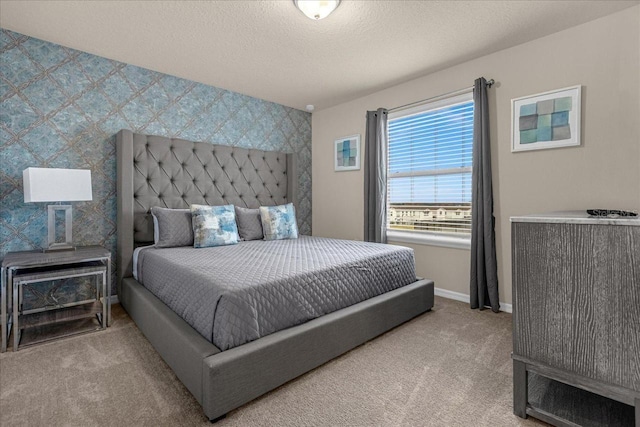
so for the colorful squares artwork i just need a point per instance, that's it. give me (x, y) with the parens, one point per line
(347, 153)
(546, 120)
(537, 119)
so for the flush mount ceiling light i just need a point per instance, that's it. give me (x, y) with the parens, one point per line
(316, 9)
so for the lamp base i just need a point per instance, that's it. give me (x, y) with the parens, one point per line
(67, 245)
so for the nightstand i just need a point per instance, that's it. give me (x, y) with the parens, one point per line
(25, 269)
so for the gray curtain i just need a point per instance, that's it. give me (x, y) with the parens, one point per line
(375, 177)
(484, 268)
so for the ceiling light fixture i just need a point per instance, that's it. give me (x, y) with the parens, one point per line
(316, 9)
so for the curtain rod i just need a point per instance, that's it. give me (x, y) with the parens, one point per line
(435, 98)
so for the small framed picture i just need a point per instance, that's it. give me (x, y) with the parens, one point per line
(546, 120)
(347, 153)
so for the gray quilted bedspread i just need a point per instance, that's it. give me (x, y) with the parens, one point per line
(239, 293)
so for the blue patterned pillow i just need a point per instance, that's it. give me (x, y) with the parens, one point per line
(279, 222)
(214, 226)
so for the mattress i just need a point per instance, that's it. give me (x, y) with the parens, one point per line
(236, 294)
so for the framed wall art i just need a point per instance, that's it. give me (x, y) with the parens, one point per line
(346, 153)
(546, 120)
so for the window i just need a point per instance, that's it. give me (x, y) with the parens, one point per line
(429, 171)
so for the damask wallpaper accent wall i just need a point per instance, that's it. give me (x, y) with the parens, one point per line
(60, 107)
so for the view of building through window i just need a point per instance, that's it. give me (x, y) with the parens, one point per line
(429, 175)
(440, 217)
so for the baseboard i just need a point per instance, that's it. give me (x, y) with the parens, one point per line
(444, 293)
(114, 299)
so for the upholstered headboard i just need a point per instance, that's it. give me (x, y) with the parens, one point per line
(174, 173)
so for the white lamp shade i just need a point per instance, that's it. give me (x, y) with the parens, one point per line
(317, 9)
(56, 185)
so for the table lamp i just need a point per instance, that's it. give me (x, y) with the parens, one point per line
(57, 185)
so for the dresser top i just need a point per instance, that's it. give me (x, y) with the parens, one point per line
(575, 217)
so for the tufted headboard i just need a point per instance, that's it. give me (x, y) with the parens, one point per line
(174, 173)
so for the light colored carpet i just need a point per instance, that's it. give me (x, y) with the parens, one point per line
(449, 367)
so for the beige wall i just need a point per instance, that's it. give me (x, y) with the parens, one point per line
(603, 56)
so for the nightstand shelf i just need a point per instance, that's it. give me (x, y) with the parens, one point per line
(54, 317)
(66, 314)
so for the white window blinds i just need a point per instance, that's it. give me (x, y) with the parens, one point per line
(429, 167)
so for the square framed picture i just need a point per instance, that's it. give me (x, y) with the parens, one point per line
(546, 120)
(346, 153)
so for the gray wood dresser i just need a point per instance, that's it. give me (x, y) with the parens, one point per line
(576, 317)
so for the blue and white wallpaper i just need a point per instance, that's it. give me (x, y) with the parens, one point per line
(60, 107)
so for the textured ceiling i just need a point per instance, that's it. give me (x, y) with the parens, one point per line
(269, 50)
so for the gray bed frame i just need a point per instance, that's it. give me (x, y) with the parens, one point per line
(174, 173)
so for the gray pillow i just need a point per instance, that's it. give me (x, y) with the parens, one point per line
(172, 227)
(249, 223)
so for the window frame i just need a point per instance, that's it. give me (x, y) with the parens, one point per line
(442, 239)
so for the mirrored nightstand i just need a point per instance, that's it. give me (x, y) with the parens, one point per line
(51, 316)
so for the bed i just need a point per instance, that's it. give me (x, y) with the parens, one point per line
(226, 370)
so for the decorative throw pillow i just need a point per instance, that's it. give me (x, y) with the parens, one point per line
(279, 222)
(249, 223)
(172, 227)
(214, 226)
